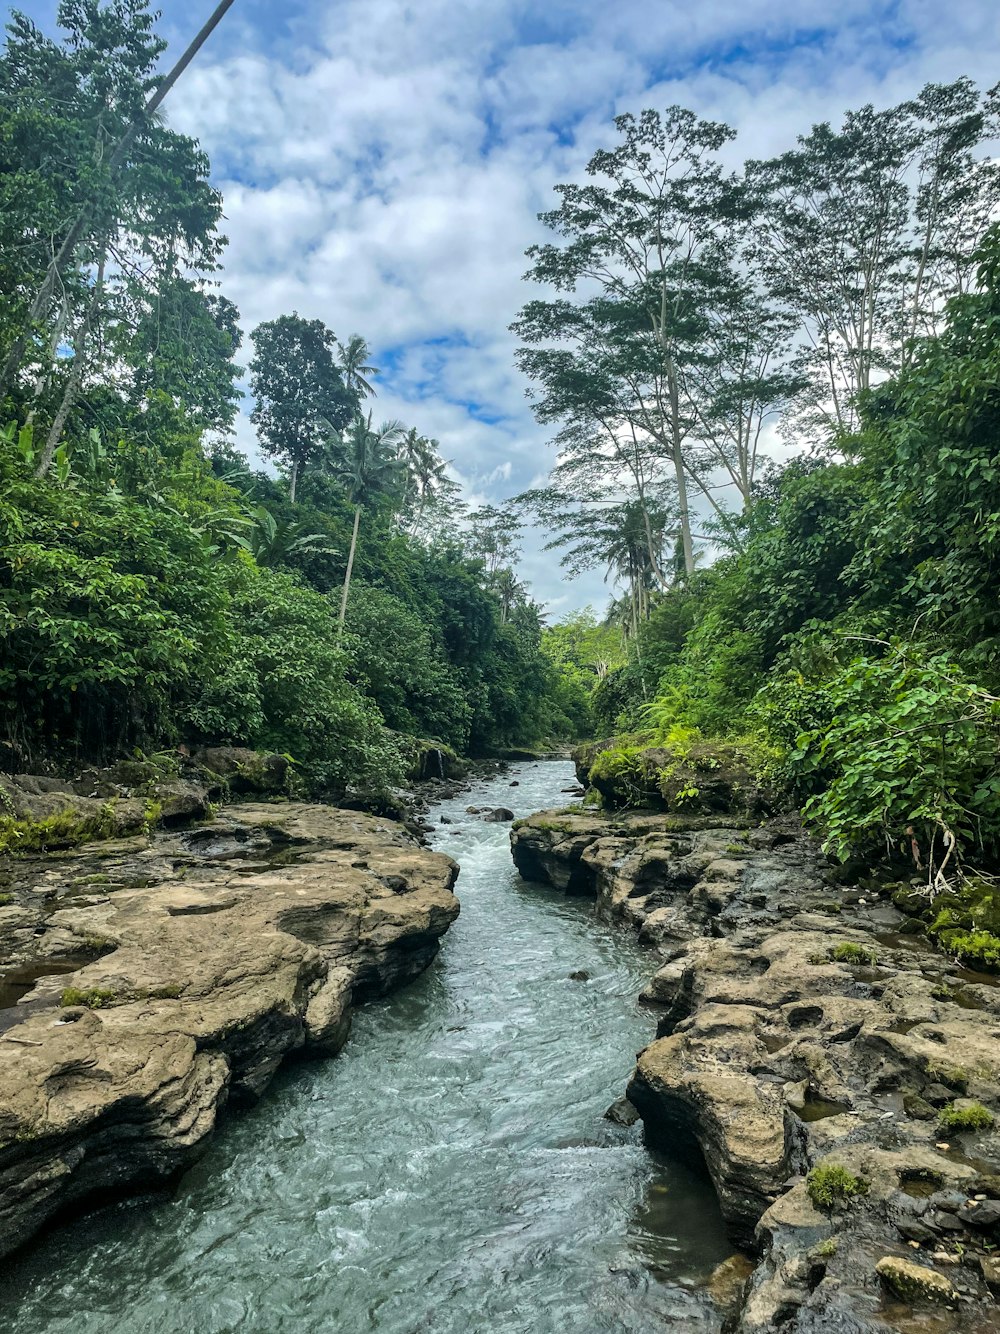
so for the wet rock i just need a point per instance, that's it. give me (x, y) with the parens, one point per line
(206, 976)
(989, 1266)
(917, 1107)
(622, 1113)
(727, 1282)
(915, 1283)
(984, 1215)
(794, 1029)
(498, 815)
(581, 975)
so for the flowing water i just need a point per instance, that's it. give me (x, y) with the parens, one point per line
(451, 1170)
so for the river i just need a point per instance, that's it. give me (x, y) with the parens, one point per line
(450, 1171)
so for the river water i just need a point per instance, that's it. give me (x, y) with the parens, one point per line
(450, 1171)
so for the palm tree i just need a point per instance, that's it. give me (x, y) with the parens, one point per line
(354, 366)
(368, 467)
(425, 474)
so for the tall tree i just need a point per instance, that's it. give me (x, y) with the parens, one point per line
(300, 395)
(107, 169)
(648, 239)
(868, 229)
(354, 367)
(369, 468)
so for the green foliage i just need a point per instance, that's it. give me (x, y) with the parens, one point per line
(94, 998)
(281, 685)
(956, 1119)
(830, 1184)
(298, 390)
(583, 653)
(907, 760)
(394, 657)
(848, 952)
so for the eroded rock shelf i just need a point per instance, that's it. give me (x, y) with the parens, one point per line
(165, 975)
(802, 1026)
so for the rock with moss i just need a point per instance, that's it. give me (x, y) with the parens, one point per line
(964, 1114)
(832, 1184)
(916, 1284)
(426, 760)
(696, 777)
(247, 771)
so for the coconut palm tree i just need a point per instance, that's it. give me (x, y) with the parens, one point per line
(367, 465)
(425, 476)
(354, 367)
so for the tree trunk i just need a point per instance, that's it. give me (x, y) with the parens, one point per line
(293, 481)
(75, 381)
(676, 440)
(347, 576)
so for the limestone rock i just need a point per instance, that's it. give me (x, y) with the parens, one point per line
(915, 1283)
(218, 952)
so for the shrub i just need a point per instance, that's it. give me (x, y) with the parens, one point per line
(908, 763)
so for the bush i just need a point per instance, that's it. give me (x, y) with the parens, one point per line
(908, 763)
(393, 656)
(109, 611)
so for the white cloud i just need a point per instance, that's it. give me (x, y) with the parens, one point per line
(383, 164)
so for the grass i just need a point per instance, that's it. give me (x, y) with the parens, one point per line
(848, 952)
(94, 998)
(972, 1116)
(830, 1184)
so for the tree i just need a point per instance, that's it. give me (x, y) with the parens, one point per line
(301, 398)
(369, 469)
(867, 229)
(650, 242)
(183, 347)
(493, 537)
(126, 197)
(353, 366)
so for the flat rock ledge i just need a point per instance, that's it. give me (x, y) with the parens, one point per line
(176, 971)
(803, 1027)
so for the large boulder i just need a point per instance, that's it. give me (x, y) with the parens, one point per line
(215, 953)
(700, 778)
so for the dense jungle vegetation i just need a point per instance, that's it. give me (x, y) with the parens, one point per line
(154, 591)
(794, 369)
(775, 399)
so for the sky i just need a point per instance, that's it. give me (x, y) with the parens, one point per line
(383, 163)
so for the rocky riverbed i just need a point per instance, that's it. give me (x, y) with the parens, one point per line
(817, 1055)
(150, 978)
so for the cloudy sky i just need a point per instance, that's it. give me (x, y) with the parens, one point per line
(383, 163)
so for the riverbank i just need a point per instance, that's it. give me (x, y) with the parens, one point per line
(837, 1076)
(452, 1169)
(161, 973)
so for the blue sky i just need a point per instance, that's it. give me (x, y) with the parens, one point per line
(383, 162)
